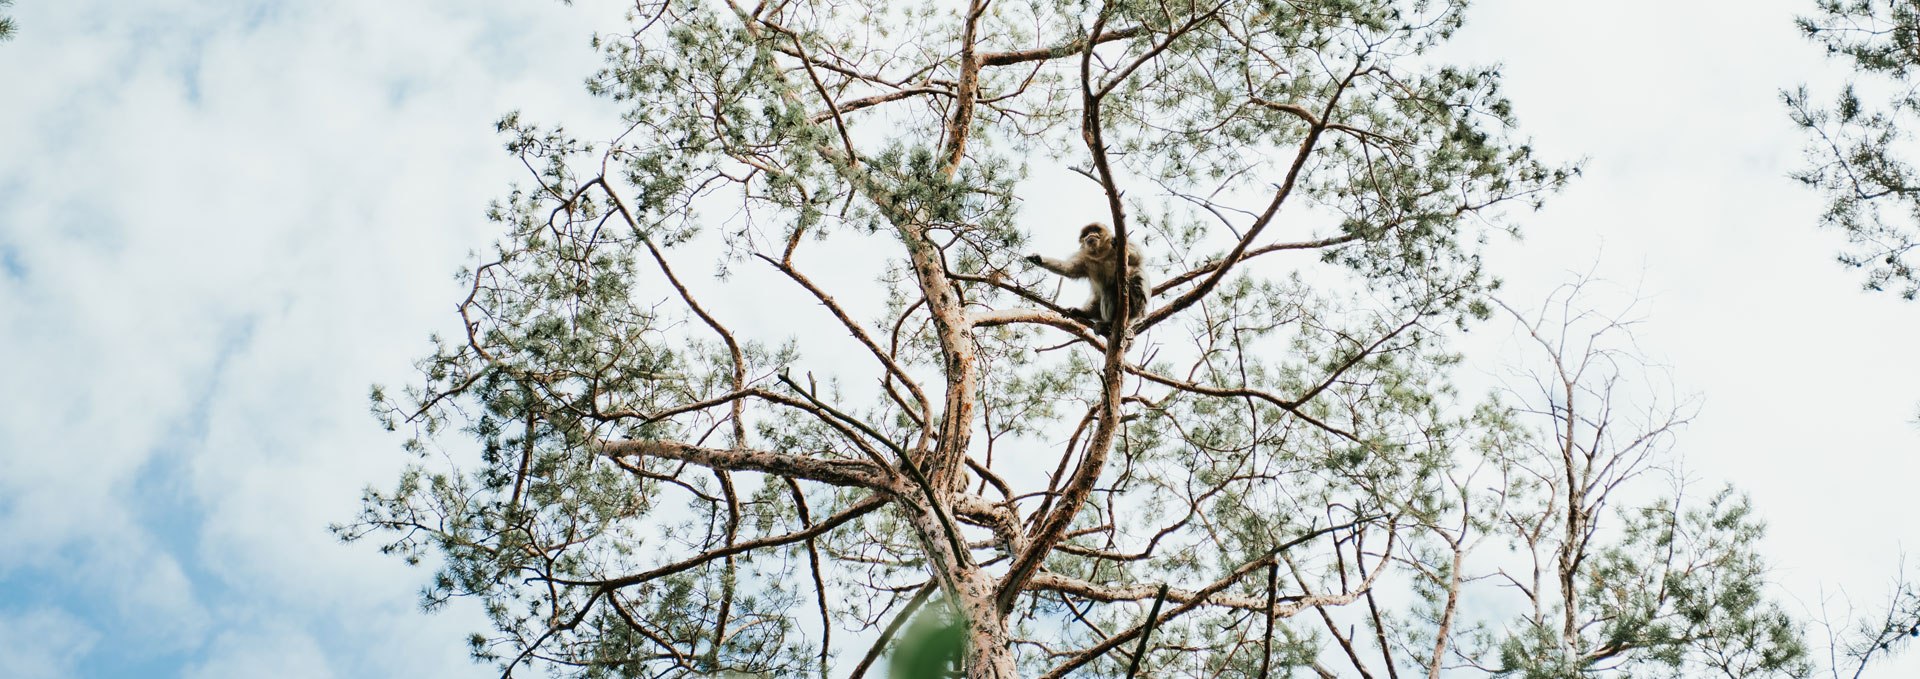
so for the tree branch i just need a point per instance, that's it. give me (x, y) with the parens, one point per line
(834, 472)
(1059, 51)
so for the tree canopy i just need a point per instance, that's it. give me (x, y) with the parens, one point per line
(642, 471)
(7, 27)
(1859, 144)
(1858, 150)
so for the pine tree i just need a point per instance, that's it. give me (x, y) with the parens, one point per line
(7, 27)
(879, 428)
(1856, 147)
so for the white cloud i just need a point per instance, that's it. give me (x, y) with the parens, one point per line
(262, 653)
(227, 221)
(42, 644)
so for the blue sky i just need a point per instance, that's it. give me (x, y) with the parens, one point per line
(220, 222)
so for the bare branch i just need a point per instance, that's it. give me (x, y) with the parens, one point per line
(1060, 51)
(834, 472)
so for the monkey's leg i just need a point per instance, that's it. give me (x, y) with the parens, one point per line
(1089, 314)
(1102, 308)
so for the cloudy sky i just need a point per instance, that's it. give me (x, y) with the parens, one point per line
(221, 221)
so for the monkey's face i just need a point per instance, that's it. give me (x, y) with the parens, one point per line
(1094, 238)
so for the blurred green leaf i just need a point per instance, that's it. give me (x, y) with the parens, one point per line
(932, 646)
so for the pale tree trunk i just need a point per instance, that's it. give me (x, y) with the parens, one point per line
(989, 647)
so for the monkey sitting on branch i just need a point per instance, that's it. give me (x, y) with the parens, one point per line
(1096, 262)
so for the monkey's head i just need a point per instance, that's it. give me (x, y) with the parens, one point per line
(1094, 237)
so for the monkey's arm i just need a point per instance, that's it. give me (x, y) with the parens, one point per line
(1073, 268)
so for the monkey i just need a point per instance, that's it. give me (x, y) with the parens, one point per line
(1095, 262)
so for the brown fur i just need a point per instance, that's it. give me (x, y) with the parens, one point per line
(1095, 261)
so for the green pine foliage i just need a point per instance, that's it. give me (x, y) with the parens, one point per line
(1858, 144)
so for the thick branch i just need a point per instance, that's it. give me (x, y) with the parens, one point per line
(960, 127)
(833, 472)
(1060, 51)
(993, 317)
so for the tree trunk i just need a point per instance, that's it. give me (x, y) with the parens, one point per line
(989, 648)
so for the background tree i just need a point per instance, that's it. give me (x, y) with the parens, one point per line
(641, 473)
(1858, 148)
(1862, 638)
(1616, 572)
(1858, 144)
(7, 26)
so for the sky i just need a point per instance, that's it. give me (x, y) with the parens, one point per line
(220, 222)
